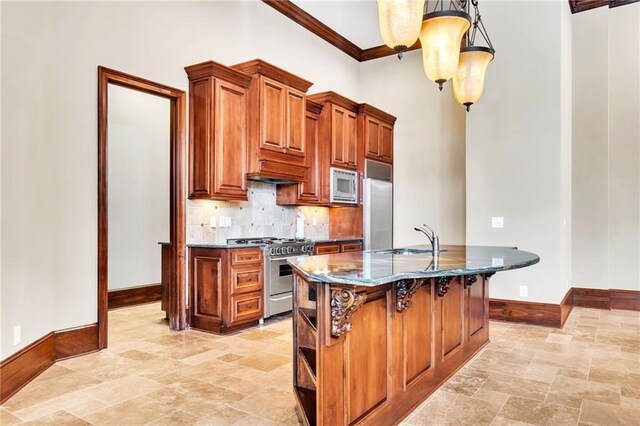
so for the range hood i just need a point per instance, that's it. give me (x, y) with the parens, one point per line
(272, 180)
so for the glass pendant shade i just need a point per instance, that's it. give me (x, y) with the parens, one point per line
(441, 36)
(400, 22)
(468, 81)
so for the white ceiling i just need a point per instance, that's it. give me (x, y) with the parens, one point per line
(356, 20)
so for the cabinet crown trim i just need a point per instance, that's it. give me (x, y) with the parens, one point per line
(334, 98)
(214, 69)
(376, 113)
(260, 67)
(313, 107)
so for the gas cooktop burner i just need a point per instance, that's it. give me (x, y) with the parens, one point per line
(277, 246)
(266, 240)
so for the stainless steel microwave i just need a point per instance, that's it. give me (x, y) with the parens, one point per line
(344, 186)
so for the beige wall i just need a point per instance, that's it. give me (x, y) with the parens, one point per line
(138, 173)
(517, 146)
(590, 149)
(429, 151)
(606, 148)
(50, 52)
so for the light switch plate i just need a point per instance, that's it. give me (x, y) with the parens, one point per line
(17, 335)
(497, 261)
(497, 222)
(524, 291)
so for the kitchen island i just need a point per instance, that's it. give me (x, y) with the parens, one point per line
(375, 333)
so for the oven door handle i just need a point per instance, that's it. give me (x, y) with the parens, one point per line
(283, 297)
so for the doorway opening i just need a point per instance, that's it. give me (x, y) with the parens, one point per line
(129, 246)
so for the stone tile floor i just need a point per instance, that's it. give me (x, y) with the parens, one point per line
(587, 373)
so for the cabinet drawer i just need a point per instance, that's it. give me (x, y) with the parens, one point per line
(246, 280)
(246, 307)
(352, 246)
(327, 248)
(242, 257)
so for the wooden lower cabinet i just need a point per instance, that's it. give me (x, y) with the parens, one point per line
(337, 247)
(226, 288)
(370, 355)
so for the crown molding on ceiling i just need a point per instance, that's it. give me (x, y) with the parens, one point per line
(583, 5)
(308, 21)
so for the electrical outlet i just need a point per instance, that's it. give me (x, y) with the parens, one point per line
(524, 291)
(497, 261)
(313, 222)
(497, 222)
(17, 335)
(213, 222)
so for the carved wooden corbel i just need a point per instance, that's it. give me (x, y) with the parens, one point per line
(469, 280)
(442, 285)
(344, 302)
(405, 289)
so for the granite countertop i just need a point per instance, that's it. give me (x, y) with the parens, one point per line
(215, 245)
(372, 268)
(335, 240)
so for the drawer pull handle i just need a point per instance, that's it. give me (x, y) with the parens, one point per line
(249, 306)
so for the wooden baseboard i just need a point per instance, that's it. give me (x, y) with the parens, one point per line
(591, 298)
(546, 314)
(628, 300)
(135, 296)
(31, 361)
(25, 365)
(76, 341)
(552, 315)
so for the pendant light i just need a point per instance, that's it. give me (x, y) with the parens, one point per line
(468, 82)
(441, 37)
(400, 22)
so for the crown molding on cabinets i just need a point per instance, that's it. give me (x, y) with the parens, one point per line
(304, 19)
(583, 5)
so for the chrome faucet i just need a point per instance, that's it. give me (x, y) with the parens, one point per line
(432, 236)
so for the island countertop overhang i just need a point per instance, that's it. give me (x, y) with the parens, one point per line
(374, 268)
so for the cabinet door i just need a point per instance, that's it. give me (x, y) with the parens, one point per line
(338, 124)
(295, 123)
(351, 140)
(309, 191)
(371, 137)
(206, 300)
(230, 140)
(200, 137)
(272, 115)
(386, 143)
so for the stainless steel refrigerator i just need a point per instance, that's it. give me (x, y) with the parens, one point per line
(378, 206)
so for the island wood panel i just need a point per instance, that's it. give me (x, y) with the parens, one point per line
(366, 352)
(418, 329)
(452, 317)
(477, 307)
(364, 376)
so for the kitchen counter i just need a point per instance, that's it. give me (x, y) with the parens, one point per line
(212, 245)
(335, 240)
(376, 333)
(373, 268)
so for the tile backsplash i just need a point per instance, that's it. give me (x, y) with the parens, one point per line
(257, 217)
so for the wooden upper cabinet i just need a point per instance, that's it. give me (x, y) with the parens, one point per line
(218, 102)
(276, 138)
(272, 109)
(377, 133)
(338, 129)
(308, 191)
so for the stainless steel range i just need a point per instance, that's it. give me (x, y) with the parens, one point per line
(278, 274)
